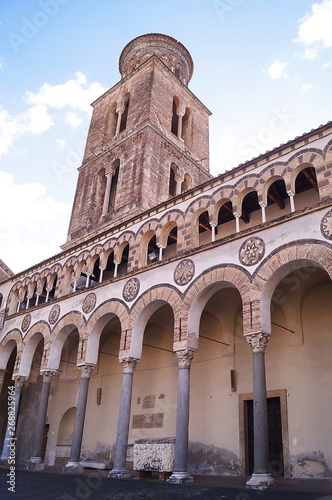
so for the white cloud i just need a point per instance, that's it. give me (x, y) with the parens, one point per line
(277, 69)
(75, 94)
(326, 65)
(315, 28)
(73, 119)
(35, 225)
(60, 143)
(306, 87)
(309, 53)
(2, 64)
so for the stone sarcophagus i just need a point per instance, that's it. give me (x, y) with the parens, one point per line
(154, 455)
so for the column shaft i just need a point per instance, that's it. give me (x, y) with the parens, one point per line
(75, 450)
(180, 473)
(119, 467)
(261, 478)
(261, 444)
(41, 414)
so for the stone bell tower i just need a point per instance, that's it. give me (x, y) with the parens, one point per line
(147, 142)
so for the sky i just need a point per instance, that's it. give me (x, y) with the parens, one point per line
(263, 68)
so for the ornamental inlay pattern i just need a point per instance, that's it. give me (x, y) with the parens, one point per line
(89, 303)
(326, 225)
(131, 289)
(184, 272)
(26, 322)
(252, 251)
(54, 314)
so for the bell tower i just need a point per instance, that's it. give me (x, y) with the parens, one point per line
(148, 138)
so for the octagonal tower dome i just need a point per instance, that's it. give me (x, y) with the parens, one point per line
(172, 53)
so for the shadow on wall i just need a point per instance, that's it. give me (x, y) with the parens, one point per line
(210, 459)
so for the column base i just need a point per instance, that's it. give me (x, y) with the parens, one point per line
(120, 473)
(72, 468)
(35, 464)
(180, 478)
(261, 482)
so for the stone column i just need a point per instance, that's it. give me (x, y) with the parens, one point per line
(180, 118)
(261, 478)
(178, 181)
(237, 223)
(291, 200)
(263, 207)
(213, 226)
(119, 468)
(75, 451)
(35, 462)
(13, 403)
(107, 194)
(118, 123)
(180, 473)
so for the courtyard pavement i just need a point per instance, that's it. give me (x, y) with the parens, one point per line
(94, 485)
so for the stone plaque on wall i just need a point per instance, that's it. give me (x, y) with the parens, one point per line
(149, 402)
(148, 421)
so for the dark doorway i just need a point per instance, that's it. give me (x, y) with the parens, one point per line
(44, 443)
(276, 460)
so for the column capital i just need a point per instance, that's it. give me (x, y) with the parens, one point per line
(129, 364)
(86, 369)
(185, 357)
(291, 193)
(47, 374)
(19, 380)
(262, 204)
(257, 340)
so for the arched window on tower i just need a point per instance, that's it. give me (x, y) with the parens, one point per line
(112, 121)
(186, 122)
(175, 118)
(114, 184)
(172, 181)
(124, 116)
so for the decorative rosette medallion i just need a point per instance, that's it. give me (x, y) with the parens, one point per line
(252, 251)
(54, 314)
(131, 289)
(326, 225)
(184, 272)
(26, 322)
(89, 303)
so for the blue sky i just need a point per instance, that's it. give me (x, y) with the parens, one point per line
(262, 68)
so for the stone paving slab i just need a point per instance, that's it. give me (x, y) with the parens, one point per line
(96, 486)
